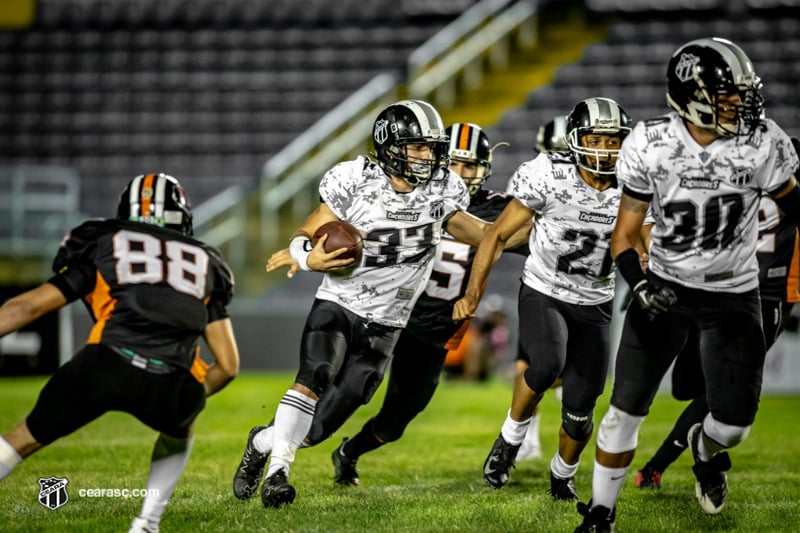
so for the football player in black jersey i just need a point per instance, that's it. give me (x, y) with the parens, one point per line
(152, 290)
(778, 255)
(423, 345)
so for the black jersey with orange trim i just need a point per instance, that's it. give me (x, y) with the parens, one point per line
(431, 320)
(150, 290)
(778, 254)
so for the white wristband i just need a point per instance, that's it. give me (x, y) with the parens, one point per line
(299, 248)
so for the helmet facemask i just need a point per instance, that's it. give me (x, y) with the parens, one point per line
(596, 116)
(704, 76)
(410, 122)
(605, 159)
(417, 171)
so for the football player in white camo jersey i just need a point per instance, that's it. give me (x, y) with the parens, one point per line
(567, 288)
(401, 204)
(702, 169)
(420, 353)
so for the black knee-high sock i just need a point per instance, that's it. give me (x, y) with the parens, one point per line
(364, 441)
(675, 443)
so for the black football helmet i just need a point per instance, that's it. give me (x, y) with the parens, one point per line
(552, 136)
(701, 71)
(409, 122)
(156, 199)
(470, 144)
(596, 116)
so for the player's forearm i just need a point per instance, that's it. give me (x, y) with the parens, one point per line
(216, 379)
(488, 253)
(221, 341)
(27, 307)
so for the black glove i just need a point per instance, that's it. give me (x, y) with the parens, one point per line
(653, 300)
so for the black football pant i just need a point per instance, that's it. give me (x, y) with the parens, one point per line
(97, 380)
(687, 384)
(343, 359)
(730, 344)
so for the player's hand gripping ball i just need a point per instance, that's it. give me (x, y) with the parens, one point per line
(340, 235)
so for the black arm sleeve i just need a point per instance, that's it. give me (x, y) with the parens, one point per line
(630, 266)
(637, 195)
(75, 280)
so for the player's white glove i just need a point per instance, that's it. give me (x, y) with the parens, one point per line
(653, 300)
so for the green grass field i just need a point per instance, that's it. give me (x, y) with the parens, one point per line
(428, 481)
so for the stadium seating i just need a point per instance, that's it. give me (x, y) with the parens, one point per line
(630, 66)
(207, 90)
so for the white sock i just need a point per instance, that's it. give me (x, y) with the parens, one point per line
(262, 441)
(169, 459)
(532, 433)
(558, 392)
(513, 432)
(292, 423)
(606, 484)
(531, 447)
(9, 458)
(561, 469)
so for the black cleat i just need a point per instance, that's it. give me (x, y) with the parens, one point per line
(562, 489)
(711, 487)
(276, 490)
(344, 467)
(500, 461)
(596, 519)
(251, 468)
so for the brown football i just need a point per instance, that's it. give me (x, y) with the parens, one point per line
(340, 235)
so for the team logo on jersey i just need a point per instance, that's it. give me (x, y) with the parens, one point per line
(684, 70)
(700, 183)
(597, 218)
(653, 135)
(406, 216)
(381, 132)
(53, 492)
(437, 210)
(741, 177)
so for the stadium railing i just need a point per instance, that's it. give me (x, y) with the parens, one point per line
(286, 179)
(220, 221)
(457, 52)
(484, 28)
(286, 176)
(38, 204)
